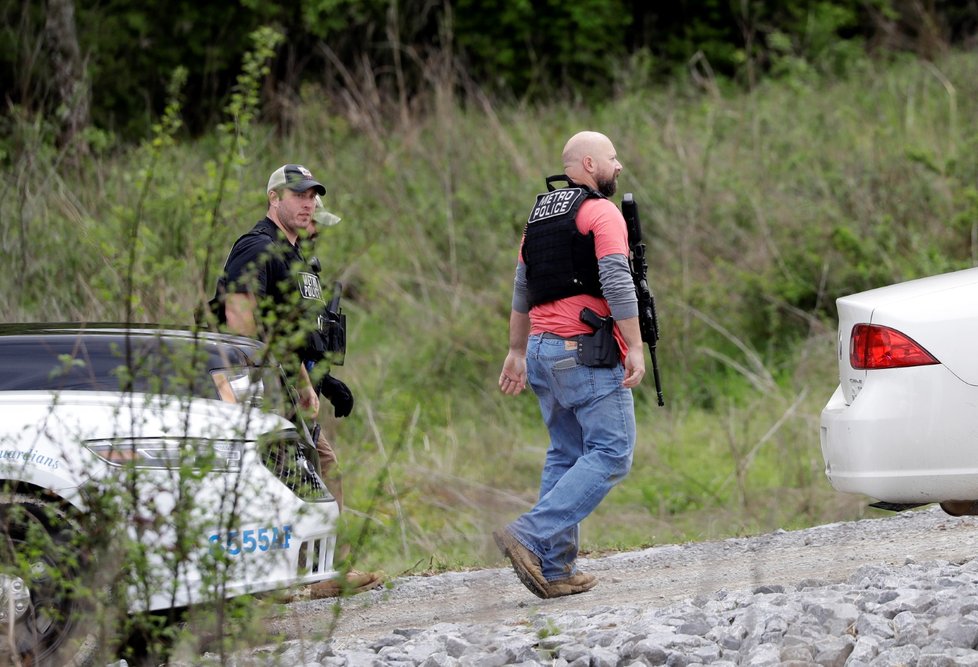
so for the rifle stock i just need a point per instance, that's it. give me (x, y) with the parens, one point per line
(647, 319)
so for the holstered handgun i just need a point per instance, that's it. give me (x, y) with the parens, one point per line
(598, 349)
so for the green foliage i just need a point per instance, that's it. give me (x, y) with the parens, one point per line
(538, 48)
(210, 195)
(328, 18)
(134, 46)
(530, 50)
(549, 629)
(810, 40)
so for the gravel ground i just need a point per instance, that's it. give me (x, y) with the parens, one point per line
(896, 591)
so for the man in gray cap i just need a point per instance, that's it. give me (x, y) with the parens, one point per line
(260, 288)
(269, 291)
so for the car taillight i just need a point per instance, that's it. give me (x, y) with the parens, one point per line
(873, 346)
(169, 452)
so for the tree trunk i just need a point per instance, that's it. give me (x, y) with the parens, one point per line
(71, 84)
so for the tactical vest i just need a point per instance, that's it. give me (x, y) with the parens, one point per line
(327, 340)
(560, 261)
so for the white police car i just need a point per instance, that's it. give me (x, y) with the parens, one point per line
(164, 466)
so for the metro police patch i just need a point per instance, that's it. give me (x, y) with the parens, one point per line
(556, 203)
(309, 286)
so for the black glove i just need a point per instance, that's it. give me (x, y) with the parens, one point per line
(338, 394)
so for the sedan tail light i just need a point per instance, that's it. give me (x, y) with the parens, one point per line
(873, 346)
(170, 452)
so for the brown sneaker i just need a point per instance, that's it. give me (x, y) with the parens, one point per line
(525, 563)
(576, 583)
(354, 582)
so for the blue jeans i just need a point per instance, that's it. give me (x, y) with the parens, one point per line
(591, 419)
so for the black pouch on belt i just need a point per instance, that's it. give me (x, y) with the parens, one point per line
(597, 349)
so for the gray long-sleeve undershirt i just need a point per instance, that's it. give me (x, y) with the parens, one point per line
(616, 286)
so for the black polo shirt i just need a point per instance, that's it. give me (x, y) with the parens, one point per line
(290, 299)
(264, 263)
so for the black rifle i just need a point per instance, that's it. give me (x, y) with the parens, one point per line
(333, 326)
(648, 322)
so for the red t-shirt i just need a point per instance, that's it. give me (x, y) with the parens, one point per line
(562, 317)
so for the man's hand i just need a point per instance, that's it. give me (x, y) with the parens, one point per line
(308, 400)
(338, 394)
(634, 366)
(635, 359)
(513, 378)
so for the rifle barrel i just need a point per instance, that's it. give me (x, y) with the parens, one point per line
(648, 320)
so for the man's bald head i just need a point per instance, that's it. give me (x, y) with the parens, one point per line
(583, 144)
(590, 159)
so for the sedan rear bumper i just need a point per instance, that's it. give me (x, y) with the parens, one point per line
(909, 436)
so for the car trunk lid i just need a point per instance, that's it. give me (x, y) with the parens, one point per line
(940, 313)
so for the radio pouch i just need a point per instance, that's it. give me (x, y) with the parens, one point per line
(598, 349)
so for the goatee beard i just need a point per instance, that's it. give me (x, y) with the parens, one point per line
(608, 187)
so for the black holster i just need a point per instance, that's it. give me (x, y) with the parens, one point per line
(598, 349)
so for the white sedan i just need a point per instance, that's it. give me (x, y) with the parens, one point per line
(902, 426)
(145, 470)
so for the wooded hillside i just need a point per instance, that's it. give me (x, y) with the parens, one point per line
(76, 67)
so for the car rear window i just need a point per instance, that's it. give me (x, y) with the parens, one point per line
(68, 363)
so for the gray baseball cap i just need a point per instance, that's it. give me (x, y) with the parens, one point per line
(322, 216)
(295, 177)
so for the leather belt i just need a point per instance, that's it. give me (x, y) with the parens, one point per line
(547, 334)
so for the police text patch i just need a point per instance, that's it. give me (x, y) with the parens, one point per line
(556, 203)
(309, 286)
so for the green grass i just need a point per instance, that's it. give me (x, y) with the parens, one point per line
(760, 209)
